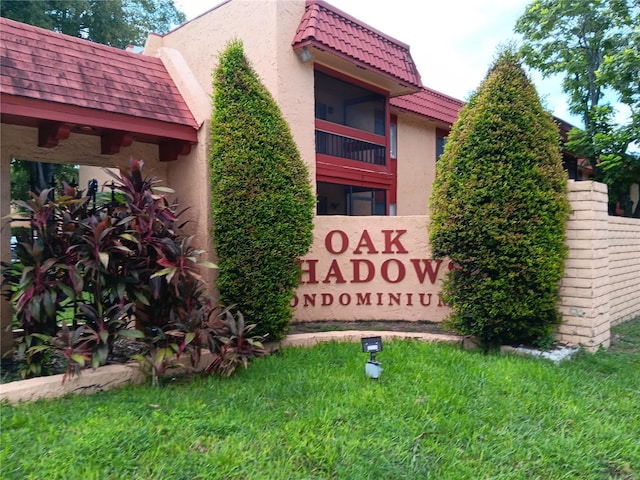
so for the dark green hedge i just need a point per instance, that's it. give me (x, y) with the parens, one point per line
(499, 210)
(262, 204)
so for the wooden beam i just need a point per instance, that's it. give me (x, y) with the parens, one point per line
(40, 110)
(111, 142)
(169, 151)
(50, 133)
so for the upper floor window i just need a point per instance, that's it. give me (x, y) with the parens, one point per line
(353, 172)
(347, 104)
(441, 141)
(393, 138)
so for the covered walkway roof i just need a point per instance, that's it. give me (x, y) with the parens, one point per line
(62, 84)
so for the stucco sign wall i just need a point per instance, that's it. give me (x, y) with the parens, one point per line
(370, 268)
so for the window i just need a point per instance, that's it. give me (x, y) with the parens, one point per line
(336, 199)
(441, 141)
(353, 171)
(350, 105)
(393, 140)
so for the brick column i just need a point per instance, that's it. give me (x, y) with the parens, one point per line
(585, 286)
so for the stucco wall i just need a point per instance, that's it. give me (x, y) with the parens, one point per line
(191, 54)
(416, 165)
(266, 29)
(379, 268)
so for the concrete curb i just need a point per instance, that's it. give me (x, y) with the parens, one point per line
(311, 339)
(112, 376)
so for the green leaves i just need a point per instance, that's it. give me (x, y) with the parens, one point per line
(262, 205)
(115, 23)
(498, 210)
(595, 46)
(234, 347)
(100, 267)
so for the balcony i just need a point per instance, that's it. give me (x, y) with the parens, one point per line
(350, 148)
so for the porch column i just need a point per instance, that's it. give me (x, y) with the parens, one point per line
(6, 338)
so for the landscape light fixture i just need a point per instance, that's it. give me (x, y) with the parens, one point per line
(372, 345)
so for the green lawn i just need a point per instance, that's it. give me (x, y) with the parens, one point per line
(437, 412)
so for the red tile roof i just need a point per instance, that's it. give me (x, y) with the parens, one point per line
(38, 64)
(328, 28)
(431, 104)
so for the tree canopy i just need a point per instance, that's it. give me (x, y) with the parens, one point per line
(117, 23)
(595, 46)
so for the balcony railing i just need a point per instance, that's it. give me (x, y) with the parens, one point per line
(350, 148)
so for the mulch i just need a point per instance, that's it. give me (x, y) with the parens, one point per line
(390, 325)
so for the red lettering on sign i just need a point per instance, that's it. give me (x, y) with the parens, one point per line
(328, 242)
(365, 241)
(363, 298)
(428, 269)
(357, 277)
(390, 242)
(334, 271)
(422, 300)
(394, 298)
(384, 271)
(344, 299)
(311, 271)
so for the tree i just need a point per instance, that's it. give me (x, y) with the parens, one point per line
(117, 23)
(498, 211)
(36, 176)
(595, 45)
(262, 204)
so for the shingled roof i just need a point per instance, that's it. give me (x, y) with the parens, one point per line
(48, 76)
(329, 29)
(431, 104)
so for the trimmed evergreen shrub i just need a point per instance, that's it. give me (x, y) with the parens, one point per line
(262, 204)
(499, 209)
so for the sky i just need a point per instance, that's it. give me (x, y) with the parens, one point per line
(452, 42)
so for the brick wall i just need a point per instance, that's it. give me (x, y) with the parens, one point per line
(601, 286)
(624, 268)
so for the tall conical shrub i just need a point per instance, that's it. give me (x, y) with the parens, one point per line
(499, 209)
(262, 204)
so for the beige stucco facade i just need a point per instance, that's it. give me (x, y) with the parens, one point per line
(266, 29)
(416, 164)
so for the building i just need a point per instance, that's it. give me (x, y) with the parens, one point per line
(367, 128)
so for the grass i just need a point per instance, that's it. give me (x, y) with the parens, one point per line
(437, 412)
